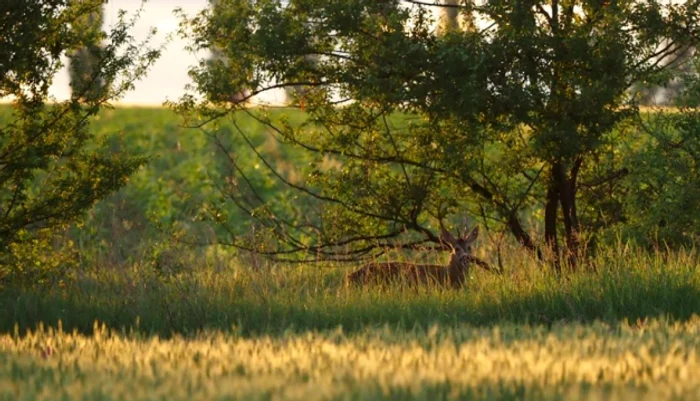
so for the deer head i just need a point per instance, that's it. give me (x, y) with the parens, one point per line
(461, 247)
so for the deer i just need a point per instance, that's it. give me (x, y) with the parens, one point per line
(453, 275)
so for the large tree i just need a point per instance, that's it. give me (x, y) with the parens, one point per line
(506, 121)
(51, 167)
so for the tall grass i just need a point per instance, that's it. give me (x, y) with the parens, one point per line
(627, 284)
(625, 331)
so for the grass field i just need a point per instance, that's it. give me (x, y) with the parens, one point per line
(143, 319)
(274, 300)
(627, 332)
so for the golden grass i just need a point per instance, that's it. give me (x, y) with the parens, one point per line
(651, 361)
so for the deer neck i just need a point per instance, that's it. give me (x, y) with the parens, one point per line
(458, 263)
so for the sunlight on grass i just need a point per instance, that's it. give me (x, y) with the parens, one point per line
(652, 361)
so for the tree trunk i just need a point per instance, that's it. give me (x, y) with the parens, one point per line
(566, 194)
(566, 185)
(550, 220)
(574, 187)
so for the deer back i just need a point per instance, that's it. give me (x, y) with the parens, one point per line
(406, 273)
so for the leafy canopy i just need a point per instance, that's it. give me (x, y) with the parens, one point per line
(503, 117)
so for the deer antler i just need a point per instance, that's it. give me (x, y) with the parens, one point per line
(466, 225)
(446, 236)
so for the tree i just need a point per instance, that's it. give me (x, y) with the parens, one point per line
(505, 121)
(51, 167)
(84, 62)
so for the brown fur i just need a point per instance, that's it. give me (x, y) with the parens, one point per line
(408, 273)
(453, 275)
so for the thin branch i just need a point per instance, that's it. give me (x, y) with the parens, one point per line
(435, 4)
(604, 180)
(546, 15)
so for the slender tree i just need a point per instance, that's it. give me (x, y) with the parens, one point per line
(85, 80)
(453, 16)
(218, 63)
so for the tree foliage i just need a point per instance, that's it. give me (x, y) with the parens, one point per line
(665, 185)
(406, 124)
(51, 169)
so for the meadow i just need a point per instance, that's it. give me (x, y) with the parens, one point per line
(141, 317)
(627, 332)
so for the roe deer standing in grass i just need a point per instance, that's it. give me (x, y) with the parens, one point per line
(453, 275)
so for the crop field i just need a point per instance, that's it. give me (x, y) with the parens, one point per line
(645, 361)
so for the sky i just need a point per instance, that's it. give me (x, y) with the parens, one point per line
(166, 79)
(168, 76)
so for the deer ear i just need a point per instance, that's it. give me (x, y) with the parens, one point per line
(447, 236)
(472, 235)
